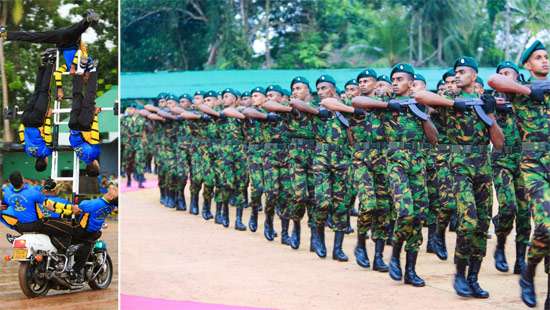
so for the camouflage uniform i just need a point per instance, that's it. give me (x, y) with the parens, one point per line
(472, 171)
(533, 124)
(406, 169)
(132, 127)
(331, 163)
(254, 161)
(183, 156)
(506, 176)
(201, 161)
(301, 148)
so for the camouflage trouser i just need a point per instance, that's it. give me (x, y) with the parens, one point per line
(381, 186)
(255, 160)
(430, 213)
(407, 183)
(161, 163)
(171, 180)
(133, 158)
(446, 188)
(331, 170)
(230, 172)
(302, 179)
(474, 199)
(183, 163)
(535, 175)
(372, 216)
(511, 197)
(277, 183)
(202, 169)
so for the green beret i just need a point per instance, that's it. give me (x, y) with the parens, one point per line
(275, 88)
(537, 45)
(441, 82)
(238, 93)
(351, 82)
(407, 68)
(211, 93)
(172, 97)
(507, 64)
(231, 91)
(245, 93)
(185, 96)
(384, 78)
(367, 73)
(299, 79)
(448, 73)
(258, 89)
(419, 77)
(340, 91)
(287, 92)
(466, 62)
(162, 96)
(480, 81)
(325, 78)
(219, 93)
(199, 93)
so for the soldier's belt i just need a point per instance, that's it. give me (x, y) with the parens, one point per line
(300, 142)
(443, 148)
(508, 149)
(535, 146)
(469, 148)
(405, 145)
(274, 146)
(330, 147)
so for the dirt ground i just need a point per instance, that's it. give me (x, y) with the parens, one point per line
(175, 255)
(12, 297)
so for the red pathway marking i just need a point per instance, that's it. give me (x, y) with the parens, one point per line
(130, 302)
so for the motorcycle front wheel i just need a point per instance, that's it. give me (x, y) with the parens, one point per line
(103, 279)
(30, 282)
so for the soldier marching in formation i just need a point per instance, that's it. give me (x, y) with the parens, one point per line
(409, 157)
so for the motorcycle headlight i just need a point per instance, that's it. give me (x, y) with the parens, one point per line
(100, 245)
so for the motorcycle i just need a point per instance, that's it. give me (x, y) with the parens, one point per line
(43, 268)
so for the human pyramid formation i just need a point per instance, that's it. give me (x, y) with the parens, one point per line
(35, 131)
(411, 158)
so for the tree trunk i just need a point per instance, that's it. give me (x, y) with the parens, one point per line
(214, 52)
(507, 32)
(8, 137)
(244, 16)
(440, 46)
(411, 39)
(420, 39)
(268, 60)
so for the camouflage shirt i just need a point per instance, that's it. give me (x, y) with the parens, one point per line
(466, 128)
(404, 126)
(533, 118)
(330, 131)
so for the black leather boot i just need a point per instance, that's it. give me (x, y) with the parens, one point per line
(194, 207)
(473, 271)
(295, 237)
(378, 263)
(171, 199)
(129, 179)
(430, 245)
(141, 179)
(285, 239)
(460, 284)
(410, 270)
(440, 244)
(361, 256)
(268, 227)
(162, 197)
(253, 222)
(349, 229)
(319, 242)
(206, 214)
(521, 249)
(395, 261)
(225, 215)
(337, 251)
(330, 223)
(239, 220)
(181, 206)
(500, 257)
(218, 219)
(528, 294)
